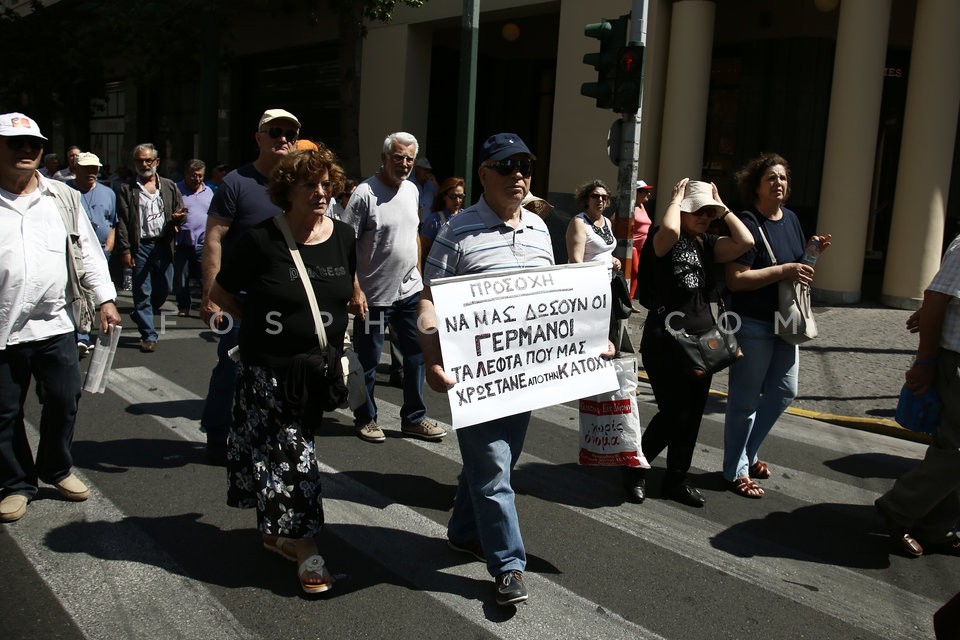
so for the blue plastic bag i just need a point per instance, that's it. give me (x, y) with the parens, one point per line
(919, 413)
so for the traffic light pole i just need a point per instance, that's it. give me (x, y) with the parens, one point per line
(627, 169)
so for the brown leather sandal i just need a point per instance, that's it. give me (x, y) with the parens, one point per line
(746, 487)
(759, 469)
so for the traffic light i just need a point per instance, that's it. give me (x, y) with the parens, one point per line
(628, 79)
(612, 35)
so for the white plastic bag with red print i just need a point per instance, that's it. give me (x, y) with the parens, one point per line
(610, 423)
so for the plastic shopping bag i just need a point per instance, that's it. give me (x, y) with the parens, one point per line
(610, 423)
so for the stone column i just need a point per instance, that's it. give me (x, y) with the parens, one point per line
(685, 96)
(926, 154)
(851, 146)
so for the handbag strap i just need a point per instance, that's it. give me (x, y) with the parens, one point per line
(763, 236)
(281, 224)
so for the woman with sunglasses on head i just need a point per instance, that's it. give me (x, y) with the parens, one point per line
(447, 203)
(676, 259)
(764, 382)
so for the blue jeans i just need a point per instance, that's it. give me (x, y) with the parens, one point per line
(484, 507)
(54, 364)
(368, 341)
(217, 416)
(762, 384)
(152, 276)
(186, 262)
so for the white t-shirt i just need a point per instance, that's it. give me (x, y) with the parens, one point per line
(385, 220)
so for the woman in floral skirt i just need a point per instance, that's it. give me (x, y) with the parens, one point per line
(271, 461)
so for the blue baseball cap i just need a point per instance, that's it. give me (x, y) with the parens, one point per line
(501, 146)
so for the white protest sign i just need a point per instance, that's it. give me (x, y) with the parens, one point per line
(523, 339)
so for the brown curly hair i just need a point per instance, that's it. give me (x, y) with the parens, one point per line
(304, 165)
(748, 177)
(583, 191)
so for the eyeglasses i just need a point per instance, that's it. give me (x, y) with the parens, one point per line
(510, 167)
(15, 143)
(599, 196)
(275, 132)
(399, 158)
(145, 160)
(456, 196)
(710, 212)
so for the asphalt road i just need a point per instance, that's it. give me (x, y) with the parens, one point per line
(156, 553)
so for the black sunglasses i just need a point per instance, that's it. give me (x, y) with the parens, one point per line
(510, 167)
(275, 132)
(710, 212)
(15, 143)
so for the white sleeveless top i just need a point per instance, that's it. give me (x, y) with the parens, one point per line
(600, 243)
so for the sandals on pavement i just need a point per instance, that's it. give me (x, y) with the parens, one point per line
(746, 487)
(282, 546)
(759, 469)
(315, 566)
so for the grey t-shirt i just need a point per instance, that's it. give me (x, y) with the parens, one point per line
(385, 220)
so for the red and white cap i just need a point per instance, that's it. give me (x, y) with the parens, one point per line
(17, 124)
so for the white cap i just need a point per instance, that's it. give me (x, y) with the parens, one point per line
(17, 124)
(277, 114)
(87, 159)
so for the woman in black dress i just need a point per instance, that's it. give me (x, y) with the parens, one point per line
(271, 460)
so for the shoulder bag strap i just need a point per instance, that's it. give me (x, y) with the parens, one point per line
(763, 236)
(281, 224)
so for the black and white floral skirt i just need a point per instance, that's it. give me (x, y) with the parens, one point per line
(271, 461)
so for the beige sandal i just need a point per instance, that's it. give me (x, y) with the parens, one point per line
(315, 565)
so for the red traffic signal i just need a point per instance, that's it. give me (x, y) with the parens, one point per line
(628, 79)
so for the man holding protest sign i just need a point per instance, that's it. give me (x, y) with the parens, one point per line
(494, 235)
(486, 237)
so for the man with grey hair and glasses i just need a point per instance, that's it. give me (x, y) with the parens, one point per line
(149, 212)
(384, 212)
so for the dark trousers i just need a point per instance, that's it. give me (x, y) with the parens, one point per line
(54, 364)
(680, 400)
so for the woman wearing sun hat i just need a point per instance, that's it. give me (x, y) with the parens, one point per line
(681, 251)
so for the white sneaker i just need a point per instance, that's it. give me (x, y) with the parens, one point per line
(84, 349)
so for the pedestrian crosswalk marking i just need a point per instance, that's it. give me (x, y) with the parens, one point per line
(123, 585)
(882, 608)
(558, 612)
(845, 594)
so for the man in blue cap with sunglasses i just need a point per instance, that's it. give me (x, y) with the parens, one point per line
(494, 234)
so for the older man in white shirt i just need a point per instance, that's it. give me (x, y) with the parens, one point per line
(36, 320)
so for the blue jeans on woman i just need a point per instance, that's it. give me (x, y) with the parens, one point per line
(762, 385)
(484, 507)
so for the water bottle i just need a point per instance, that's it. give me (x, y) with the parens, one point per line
(812, 253)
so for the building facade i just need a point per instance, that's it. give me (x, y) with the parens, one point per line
(861, 96)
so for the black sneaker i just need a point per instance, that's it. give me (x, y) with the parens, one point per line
(510, 588)
(472, 547)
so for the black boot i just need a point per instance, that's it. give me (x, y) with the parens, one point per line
(635, 484)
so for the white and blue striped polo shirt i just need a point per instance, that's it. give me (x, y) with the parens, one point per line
(476, 241)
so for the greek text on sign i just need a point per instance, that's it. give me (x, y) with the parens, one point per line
(523, 339)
